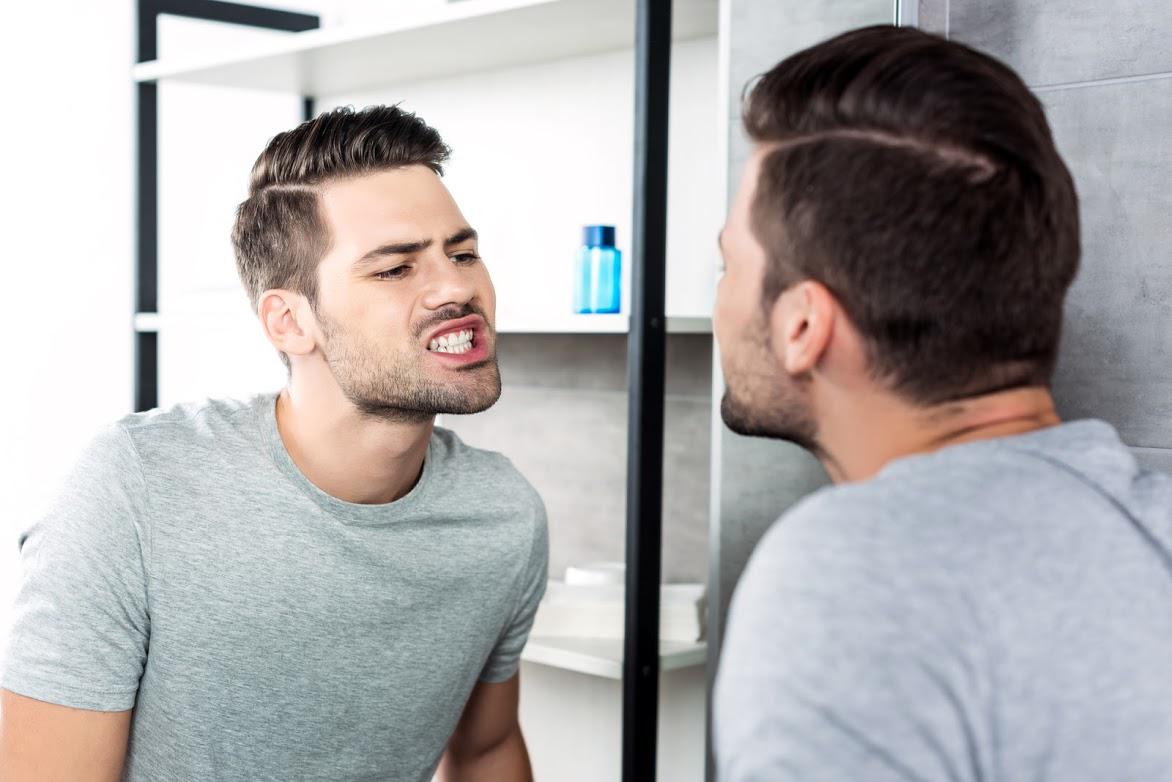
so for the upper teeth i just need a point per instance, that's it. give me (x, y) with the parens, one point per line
(456, 342)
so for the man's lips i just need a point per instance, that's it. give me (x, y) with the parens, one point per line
(473, 322)
(464, 342)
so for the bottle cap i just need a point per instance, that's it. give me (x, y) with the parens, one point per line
(598, 235)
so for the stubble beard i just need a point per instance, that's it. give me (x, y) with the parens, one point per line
(396, 388)
(760, 400)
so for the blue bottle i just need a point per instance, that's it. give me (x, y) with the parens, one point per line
(599, 273)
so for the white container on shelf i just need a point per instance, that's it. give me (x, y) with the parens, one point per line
(591, 603)
(596, 573)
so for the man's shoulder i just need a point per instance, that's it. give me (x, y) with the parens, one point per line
(487, 472)
(196, 416)
(839, 513)
(982, 512)
(188, 424)
(933, 503)
(922, 521)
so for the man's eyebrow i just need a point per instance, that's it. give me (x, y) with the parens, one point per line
(465, 234)
(395, 248)
(407, 248)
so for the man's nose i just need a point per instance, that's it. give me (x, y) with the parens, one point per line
(447, 283)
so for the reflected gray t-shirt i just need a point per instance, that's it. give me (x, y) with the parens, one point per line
(998, 610)
(260, 628)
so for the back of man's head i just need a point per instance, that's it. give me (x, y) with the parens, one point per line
(917, 179)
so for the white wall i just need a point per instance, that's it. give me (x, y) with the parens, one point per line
(210, 343)
(541, 150)
(67, 220)
(66, 217)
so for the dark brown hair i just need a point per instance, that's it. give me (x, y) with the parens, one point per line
(917, 179)
(280, 236)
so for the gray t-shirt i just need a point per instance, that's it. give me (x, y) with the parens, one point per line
(260, 628)
(999, 610)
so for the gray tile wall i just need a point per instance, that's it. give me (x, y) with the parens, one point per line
(562, 420)
(764, 32)
(1058, 42)
(1116, 360)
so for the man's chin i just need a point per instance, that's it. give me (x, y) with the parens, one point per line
(476, 389)
(470, 405)
(743, 420)
(739, 419)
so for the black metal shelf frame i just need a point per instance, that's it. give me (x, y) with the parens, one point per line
(646, 343)
(146, 298)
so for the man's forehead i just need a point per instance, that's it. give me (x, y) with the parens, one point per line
(397, 205)
(749, 174)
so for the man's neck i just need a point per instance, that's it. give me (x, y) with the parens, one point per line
(858, 440)
(345, 454)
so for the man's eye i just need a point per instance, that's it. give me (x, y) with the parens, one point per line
(466, 258)
(393, 274)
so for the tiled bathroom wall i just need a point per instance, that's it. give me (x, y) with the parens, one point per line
(1103, 71)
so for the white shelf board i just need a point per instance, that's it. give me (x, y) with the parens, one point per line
(600, 324)
(604, 656)
(688, 324)
(146, 322)
(575, 324)
(470, 36)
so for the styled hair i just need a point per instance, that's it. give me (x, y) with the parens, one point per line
(917, 179)
(280, 235)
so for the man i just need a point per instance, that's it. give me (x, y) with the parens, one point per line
(986, 594)
(317, 584)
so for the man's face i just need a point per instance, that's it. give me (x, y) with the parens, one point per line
(760, 399)
(405, 304)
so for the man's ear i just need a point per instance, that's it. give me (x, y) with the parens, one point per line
(288, 321)
(801, 324)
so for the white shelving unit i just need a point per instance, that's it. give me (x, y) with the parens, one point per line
(425, 56)
(462, 37)
(604, 656)
(575, 324)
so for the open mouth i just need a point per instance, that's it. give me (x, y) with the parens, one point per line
(456, 342)
(464, 342)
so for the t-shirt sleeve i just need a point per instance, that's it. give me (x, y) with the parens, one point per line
(80, 621)
(506, 656)
(840, 662)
